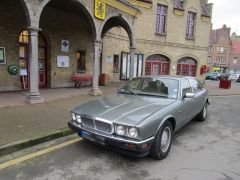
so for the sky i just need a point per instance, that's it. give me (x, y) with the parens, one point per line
(226, 12)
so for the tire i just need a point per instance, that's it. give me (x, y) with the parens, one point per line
(202, 116)
(164, 136)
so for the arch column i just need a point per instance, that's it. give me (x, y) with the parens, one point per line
(34, 96)
(132, 58)
(95, 91)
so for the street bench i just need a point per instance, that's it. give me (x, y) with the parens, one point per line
(80, 78)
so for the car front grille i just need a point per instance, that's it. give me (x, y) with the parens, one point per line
(87, 122)
(105, 127)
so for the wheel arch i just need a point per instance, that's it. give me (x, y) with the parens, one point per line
(171, 119)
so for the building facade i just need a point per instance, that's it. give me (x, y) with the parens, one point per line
(43, 43)
(235, 54)
(171, 38)
(220, 48)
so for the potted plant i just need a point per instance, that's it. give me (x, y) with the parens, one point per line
(224, 82)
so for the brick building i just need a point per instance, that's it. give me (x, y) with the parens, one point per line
(51, 40)
(235, 55)
(220, 47)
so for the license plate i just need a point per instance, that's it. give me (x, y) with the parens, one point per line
(92, 137)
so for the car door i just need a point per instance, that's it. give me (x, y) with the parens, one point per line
(199, 98)
(186, 106)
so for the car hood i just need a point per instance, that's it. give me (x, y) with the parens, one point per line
(123, 108)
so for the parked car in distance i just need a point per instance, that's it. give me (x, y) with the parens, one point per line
(233, 77)
(208, 75)
(224, 76)
(215, 76)
(141, 117)
(238, 80)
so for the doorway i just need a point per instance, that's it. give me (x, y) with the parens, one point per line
(24, 65)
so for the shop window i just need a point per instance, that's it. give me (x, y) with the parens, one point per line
(190, 25)
(125, 65)
(81, 61)
(115, 63)
(161, 18)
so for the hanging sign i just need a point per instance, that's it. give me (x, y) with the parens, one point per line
(65, 46)
(100, 9)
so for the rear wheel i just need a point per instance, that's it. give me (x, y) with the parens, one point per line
(203, 114)
(162, 142)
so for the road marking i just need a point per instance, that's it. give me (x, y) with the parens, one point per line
(38, 153)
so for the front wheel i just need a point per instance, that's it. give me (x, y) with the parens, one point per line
(162, 142)
(203, 114)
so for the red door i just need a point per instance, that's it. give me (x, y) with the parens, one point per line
(156, 68)
(186, 69)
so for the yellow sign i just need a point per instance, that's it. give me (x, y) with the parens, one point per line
(216, 68)
(100, 9)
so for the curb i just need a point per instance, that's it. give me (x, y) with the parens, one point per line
(18, 145)
(222, 95)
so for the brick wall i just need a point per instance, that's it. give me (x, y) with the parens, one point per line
(12, 22)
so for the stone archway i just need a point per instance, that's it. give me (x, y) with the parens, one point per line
(187, 66)
(115, 21)
(71, 23)
(79, 4)
(131, 67)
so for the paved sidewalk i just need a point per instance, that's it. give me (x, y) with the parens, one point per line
(21, 122)
(214, 90)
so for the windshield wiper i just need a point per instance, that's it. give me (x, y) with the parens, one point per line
(155, 95)
(131, 91)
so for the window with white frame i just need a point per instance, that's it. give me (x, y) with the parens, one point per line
(209, 59)
(210, 49)
(221, 49)
(235, 60)
(125, 65)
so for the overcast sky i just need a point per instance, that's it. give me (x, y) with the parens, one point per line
(226, 12)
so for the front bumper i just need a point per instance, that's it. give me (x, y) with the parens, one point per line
(114, 143)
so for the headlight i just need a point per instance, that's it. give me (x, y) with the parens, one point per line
(133, 132)
(120, 130)
(78, 117)
(74, 117)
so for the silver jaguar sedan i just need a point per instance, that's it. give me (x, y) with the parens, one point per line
(141, 117)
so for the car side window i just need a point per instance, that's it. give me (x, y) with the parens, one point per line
(186, 87)
(196, 85)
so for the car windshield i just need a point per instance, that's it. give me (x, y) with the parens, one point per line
(160, 87)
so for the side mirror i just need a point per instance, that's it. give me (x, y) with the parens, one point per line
(189, 95)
